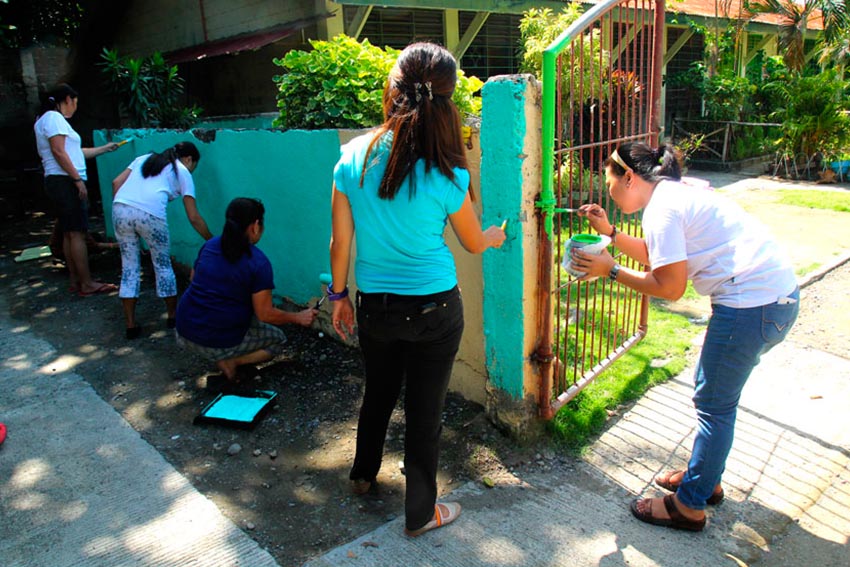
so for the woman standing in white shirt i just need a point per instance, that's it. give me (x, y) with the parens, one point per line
(140, 196)
(64, 162)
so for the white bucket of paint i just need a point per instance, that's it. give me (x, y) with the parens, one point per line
(589, 244)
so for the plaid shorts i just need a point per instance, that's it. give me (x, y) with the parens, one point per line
(259, 336)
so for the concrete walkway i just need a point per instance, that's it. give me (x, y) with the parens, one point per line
(788, 478)
(78, 486)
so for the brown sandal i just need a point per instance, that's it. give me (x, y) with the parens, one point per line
(664, 482)
(676, 520)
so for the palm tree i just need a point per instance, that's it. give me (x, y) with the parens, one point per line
(794, 20)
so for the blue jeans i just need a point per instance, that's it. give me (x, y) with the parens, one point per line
(410, 340)
(734, 343)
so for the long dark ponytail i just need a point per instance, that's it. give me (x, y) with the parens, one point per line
(52, 98)
(241, 213)
(419, 111)
(154, 165)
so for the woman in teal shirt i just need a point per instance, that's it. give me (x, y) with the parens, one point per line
(400, 185)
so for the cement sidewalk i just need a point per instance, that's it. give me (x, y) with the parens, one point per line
(78, 486)
(788, 478)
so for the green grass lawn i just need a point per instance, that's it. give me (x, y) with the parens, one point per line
(828, 200)
(658, 357)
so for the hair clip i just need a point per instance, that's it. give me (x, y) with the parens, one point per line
(417, 88)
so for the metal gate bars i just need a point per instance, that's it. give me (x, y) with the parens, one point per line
(601, 87)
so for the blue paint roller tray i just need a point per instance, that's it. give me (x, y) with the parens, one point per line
(243, 410)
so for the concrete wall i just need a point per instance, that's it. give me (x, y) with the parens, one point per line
(165, 25)
(291, 171)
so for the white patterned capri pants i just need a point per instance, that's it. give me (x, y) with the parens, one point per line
(259, 336)
(131, 225)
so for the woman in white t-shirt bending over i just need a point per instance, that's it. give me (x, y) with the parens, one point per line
(140, 196)
(64, 160)
(694, 233)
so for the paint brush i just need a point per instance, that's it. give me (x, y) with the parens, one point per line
(122, 142)
(504, 224)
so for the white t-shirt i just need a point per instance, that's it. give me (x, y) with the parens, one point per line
(152, 194)
(50, 124)
(730, 254)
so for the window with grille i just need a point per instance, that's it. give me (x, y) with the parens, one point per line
(495, 50)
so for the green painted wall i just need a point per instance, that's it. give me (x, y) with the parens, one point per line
(503, 132)
(290, 171)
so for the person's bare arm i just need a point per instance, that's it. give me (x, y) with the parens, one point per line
(119, 181)
(631, 246)
(195, 218)
(342, 236)
(467, 227)
(667, 282)
(266, 312)
(90, 153)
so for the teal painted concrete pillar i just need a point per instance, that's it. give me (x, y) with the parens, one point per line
(510, 184)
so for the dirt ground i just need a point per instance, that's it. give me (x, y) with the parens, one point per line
(287, 485)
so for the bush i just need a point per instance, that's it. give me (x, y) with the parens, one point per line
(813, 113)
(727, 97)
(540, 27)
(149, 91)
(340, 84)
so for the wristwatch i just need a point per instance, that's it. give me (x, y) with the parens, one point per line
(615, 270)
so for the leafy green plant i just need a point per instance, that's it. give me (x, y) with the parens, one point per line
(540, 27)
(149, 90)
(813, 114)
(727, 96)
(340, 84)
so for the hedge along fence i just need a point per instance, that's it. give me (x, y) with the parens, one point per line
(291, 172)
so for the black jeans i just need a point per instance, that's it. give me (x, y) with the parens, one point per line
(412, 340)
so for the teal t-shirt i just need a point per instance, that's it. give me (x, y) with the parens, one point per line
(400, 242)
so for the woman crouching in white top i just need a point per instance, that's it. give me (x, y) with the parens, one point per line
(140, 196)
(694, 233)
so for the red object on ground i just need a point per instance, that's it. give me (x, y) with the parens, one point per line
(2, 433)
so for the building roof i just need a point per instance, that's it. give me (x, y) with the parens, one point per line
(709, 9)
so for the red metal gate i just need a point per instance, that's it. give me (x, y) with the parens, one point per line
(601, 87)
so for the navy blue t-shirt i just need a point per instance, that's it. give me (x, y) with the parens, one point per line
(216, 310)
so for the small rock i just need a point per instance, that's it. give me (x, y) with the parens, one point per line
(175, 437)
(401, 467)
(273, 454)
(321, 335)
(257, 452)
(488, 482)
(234, 449)
(249, 526)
